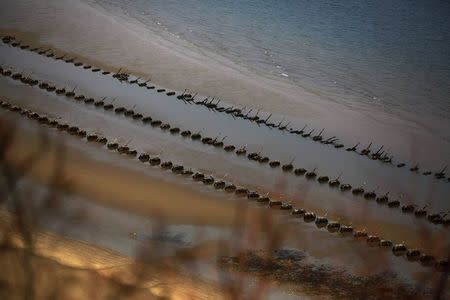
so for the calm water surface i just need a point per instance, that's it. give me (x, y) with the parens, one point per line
(390, 54)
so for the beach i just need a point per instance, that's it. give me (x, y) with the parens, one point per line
(215, 152)
(173, 63)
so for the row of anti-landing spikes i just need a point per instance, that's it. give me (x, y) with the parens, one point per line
(413, 255)
(380, 154)
(216, 142)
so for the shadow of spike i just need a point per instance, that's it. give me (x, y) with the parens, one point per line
(354, 147)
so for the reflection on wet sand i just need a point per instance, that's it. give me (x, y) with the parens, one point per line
(191, 159)
(173, 110)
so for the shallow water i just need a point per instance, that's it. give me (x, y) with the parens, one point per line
(120, 39)
(395, 56)
(357, 170)
(110, 228)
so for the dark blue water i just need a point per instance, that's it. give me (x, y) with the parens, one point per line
(392, 54)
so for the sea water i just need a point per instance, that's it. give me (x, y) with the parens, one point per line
(391, 54)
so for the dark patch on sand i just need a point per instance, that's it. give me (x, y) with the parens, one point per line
(291, 268)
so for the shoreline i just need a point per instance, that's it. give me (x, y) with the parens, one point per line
(394, 230)
(176, 67)
(201, 193)
(295, 196)
(125, 202)
(130, 205)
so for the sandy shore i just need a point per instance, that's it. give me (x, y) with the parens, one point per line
(119, 197)
(175, 64)
(307, 194)
(110, 40)
(138, 194)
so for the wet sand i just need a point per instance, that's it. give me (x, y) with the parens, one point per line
(311, 240)
(173, 63)
(308, 194)
(103, 182)
(67, 260)
(99, 176)
(84, 271)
